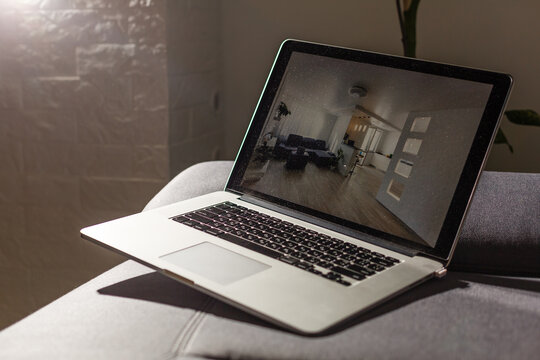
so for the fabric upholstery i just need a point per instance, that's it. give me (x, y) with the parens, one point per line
(297, 159)
(131, 312)
(501, 233)
(320, 145)
(294, 140)
(196, 180)
(85, 324)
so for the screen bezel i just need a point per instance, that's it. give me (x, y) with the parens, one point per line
(501, 84)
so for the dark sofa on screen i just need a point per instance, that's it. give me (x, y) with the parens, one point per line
(314, 148)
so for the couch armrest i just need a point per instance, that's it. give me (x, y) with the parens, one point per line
(501, 234)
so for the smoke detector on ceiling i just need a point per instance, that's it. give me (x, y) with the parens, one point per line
(357, 91)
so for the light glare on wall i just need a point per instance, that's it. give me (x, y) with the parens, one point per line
(395, 189)
(403, 168)
(412, 146)
(420, 124)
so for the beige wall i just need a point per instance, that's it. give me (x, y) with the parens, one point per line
(101, 102)
(83, 135)
(494, 34)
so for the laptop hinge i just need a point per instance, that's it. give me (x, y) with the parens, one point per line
(440, 273)
(331, 226)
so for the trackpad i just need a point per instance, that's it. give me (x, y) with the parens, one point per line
(215, 263)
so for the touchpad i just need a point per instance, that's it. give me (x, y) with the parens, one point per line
(215, 263)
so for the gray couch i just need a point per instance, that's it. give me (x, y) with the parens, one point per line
(131, 312)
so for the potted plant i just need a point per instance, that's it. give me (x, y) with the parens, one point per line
(282, 110)
(336, 160)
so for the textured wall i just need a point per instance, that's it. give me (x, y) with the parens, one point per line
(88, 131)
(194, 78)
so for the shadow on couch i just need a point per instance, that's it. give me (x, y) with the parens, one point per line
(157, 288)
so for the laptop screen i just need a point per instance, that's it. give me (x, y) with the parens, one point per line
(367, 144)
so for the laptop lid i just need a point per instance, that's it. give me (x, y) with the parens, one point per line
(387, 147)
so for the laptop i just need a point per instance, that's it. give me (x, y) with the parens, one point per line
(350, 187)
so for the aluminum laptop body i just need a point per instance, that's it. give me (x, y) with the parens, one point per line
(347, 150)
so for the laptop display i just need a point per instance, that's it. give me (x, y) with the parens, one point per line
(375, 147)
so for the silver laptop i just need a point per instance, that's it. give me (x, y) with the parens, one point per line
(350, 187)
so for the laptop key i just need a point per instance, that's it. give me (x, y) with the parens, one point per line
(361, 270)
(201, 227)
(190, 223)
(198, 218)
(289, 251)
(343, 282)
(375, 267)
(341, 262)
(348, 273)
(303, 256)
(303, 265)
(250, 245)
(261, 241)
(288, 260)
(275, 246)
(212, 231)
(180, 219)
(381, 262)
(205, 213)
(332, 275)
(250, 237)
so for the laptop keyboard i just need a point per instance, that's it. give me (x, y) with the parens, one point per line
(320, 254)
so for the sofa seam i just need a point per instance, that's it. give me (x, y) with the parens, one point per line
(185, 336)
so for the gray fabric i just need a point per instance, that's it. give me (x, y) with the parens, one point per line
(199, 179)
(131, 312)
(463, 316)
(85, 324)
(501, 233)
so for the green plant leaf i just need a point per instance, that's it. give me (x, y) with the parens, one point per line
(500, 138)
(523, 117)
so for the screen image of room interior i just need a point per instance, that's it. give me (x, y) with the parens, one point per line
(367, 144)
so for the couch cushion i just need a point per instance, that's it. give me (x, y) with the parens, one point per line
(294, 140)
(320, 145)
(501, 233)
(308, 143)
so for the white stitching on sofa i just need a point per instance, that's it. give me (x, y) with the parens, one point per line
(184, 339)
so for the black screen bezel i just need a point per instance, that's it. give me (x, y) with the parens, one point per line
(473, 166)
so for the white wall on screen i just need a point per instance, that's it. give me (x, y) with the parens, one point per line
(306, 120)
(338, 131)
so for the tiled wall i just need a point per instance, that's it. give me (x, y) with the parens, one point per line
(100, 104)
